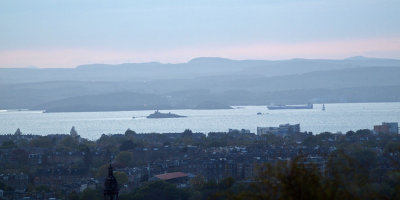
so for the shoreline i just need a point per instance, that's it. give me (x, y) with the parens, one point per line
(181, 108)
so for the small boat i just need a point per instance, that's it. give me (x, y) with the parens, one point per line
(323, 107)
(259, 113)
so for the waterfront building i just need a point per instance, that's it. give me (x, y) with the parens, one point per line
(283, 129)
(242, 131)
(387, 127)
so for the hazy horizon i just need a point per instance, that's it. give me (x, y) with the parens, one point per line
(202, 57)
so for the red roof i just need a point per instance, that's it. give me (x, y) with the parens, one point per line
(172, 175)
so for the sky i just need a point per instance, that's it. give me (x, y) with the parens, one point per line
(67, 33)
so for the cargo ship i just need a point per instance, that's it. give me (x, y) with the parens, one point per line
(282, 107)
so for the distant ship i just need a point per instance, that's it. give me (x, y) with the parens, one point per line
(281, 107)
(157, 114)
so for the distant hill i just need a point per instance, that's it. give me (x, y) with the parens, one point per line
(106, 102)
(197, 67)
(128, 101)
(202, 83)
(211, 105)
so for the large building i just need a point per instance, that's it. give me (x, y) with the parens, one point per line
(387, 127)
(283, 129)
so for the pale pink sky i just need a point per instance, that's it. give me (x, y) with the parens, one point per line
(334, 49)
(67, 33)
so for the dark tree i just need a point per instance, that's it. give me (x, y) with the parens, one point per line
(127, 145)
(129, 132)
(187, 133)
(8, 145)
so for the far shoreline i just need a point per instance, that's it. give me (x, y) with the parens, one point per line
(177, 108)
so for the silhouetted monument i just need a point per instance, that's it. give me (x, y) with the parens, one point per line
(18, 132)
(73, 132)
(110, 186)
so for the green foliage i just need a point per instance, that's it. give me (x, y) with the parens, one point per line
(22, 143)
(42, 188)
(8, 145)
(106, 140)
(272, 139)
(109, 142)
(87, 157)
(69, 142)
(129, 132)
(197, 182)
(5, 187)
(292, 181)
(363, 132)
(350, 133)
(223, 190)
(43, 142)
(186, 137)
(217, 139)
(124, 157)
(127, 145)
(73, 196)
(20, 156)
(102, 171)
(226, 183)
(392, 147)
(121, 177)
(353, 171)
(324, 136)
(158, 190)
(187, 133)
(144, 178)
(90, 194)
(352, 168)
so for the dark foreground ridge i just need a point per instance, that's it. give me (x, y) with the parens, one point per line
(224, 165)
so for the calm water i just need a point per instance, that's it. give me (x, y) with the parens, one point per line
(337, 117)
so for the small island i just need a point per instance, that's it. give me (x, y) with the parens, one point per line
(157, 114)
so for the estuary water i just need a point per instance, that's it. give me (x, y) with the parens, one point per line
(336, 118)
